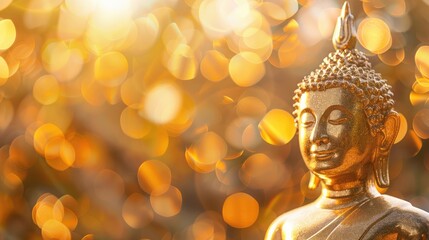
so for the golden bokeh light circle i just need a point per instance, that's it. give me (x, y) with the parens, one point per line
(44, 134)
(214, 66)
(240, 210)
(111, 69)
(374, 35)
(162, 103)
(422, 60)
(255, 69)
(421, 123)
(203, 155)
(277, 127)
(4, 71)
(54, 229)
(182, 63)
(46, 90)
(137, 211)
(154, 177)
(59, 153)
(208, 225)
(8, 36)
(168, 204)
(133, 124)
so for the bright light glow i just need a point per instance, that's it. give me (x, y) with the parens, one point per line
(221, 17)
(114, 7)
(162, 103)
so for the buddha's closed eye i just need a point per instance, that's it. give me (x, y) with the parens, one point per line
(338, 117)
(307, 119)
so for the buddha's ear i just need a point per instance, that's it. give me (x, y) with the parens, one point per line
(385, 140)
(389, 132)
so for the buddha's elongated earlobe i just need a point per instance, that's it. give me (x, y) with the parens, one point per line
(381, 171)
(314, 181)
(381, 156)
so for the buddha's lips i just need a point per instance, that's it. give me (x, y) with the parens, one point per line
(323, 155)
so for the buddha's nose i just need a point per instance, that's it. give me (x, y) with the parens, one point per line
(321, 140)
(318, 135)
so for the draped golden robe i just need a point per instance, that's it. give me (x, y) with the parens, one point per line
(382, 217)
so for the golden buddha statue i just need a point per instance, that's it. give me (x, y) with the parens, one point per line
(347, 126)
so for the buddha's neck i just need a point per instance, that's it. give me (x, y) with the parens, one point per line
(346, 192)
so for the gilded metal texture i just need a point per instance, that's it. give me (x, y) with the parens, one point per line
(347, 126)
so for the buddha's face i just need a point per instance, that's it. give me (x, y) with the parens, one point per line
(334, 135)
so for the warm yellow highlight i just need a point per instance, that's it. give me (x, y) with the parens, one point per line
(258, 41)
(392, 57)
(240, 210)
(221, 17)
(374, 35)
(277, 127)
(162, 103)
(70, 219)
(44, 134)
(55, 56)
(276, 11)
(80, 7)
(59, 153)
(4, 71)
(182, 63)
(148, 31)
(46, 209)
(54, 229)
(8, 34)
(422, 60)
(4, 4)
(246, 69)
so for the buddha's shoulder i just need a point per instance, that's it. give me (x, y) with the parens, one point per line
(403, 208)
(290, 219)
(402, 218)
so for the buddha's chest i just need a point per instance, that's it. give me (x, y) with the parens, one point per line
(315, 225)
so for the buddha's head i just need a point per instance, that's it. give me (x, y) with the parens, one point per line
(344, 113)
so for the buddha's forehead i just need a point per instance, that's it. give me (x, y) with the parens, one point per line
(319, 101)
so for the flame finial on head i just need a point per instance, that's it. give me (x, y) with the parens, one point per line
(344, 34)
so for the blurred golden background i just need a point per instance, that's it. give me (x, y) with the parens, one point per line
(171, 119)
